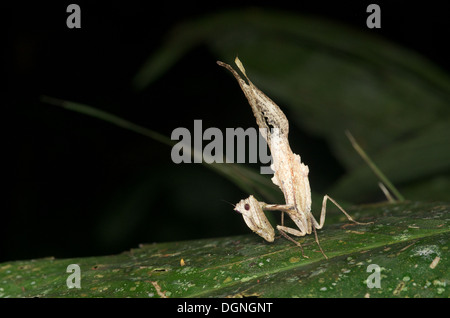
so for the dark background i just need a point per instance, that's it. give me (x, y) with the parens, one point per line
(77, 186)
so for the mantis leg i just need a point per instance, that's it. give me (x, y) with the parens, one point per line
(324, 211)
(278, 207)
(284, 230)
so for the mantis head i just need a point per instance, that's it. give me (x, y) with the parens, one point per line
(255, 218)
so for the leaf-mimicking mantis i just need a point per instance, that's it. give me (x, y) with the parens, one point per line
(290, 174)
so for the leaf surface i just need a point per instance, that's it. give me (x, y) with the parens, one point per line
(409, 243)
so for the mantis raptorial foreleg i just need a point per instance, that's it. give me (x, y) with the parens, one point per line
(283, 229)
(279, 207)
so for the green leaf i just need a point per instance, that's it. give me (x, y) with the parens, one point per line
(409, 243)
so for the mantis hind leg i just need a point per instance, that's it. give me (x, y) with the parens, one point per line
(318, 225)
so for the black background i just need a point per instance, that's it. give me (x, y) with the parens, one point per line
(65, 173)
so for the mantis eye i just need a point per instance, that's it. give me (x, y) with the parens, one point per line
(247, 206)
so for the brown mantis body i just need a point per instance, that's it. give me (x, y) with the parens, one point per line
(290, 174)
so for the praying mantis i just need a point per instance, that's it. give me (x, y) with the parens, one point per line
(290, 174)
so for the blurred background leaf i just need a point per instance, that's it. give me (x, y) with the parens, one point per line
(247, 179)
(331, 78)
